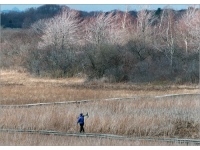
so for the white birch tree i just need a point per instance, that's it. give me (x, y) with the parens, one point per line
(166, 35)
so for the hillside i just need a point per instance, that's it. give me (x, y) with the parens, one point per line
(23, 19)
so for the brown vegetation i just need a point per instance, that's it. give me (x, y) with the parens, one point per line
(21, 88)
(23, 139)
(141, 118)
(100, 57)
(144, 116)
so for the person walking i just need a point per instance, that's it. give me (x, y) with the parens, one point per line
(81, 122)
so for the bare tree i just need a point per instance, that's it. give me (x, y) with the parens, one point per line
(188, 30)
(166, 35)
(59, 37)
(102, 34)
(141, 38)
(145, 22)
(39, 27)
(101, 29)
(126, 23)
(61, 32)
(194, 26)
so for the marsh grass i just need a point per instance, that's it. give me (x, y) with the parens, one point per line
(176, 116)
(141, 118)
(23, 139)
(21, 88)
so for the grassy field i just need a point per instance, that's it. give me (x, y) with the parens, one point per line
(23, 139)
(21, 88)
(147, 116)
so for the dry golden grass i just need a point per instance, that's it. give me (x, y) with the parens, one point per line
(167, 117)
(20, 88)
(23, 139)
(155, 117)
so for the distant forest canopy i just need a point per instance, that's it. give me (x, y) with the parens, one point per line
(24, 19)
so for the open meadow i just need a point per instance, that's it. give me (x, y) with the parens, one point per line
(135, 73)
(144, 115)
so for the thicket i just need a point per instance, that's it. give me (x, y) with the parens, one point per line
(153, 46)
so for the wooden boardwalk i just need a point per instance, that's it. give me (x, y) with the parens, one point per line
(108, 136)
(96, 135)
(86, 101)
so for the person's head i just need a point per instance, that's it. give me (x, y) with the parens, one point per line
(81, 114)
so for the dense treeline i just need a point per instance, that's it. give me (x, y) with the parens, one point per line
(24, 19)
(160, 45)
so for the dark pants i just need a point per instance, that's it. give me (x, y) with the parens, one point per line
(81, 128)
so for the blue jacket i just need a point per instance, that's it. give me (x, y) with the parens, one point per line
(81, 119)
